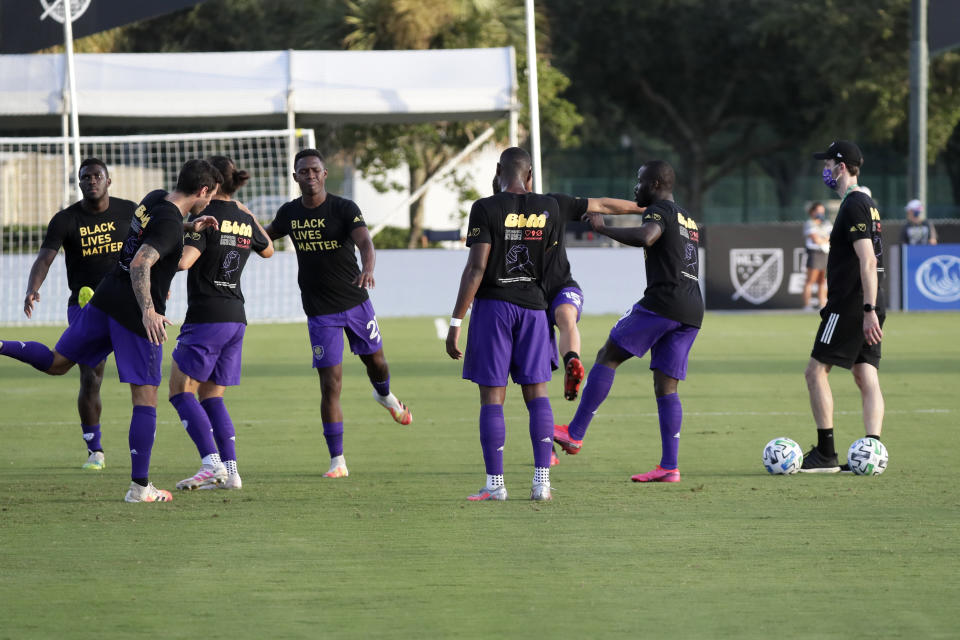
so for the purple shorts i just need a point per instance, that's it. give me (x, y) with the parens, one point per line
(567, 295)
(505, 338)
(211, 351)
(93, 335)
(73, 312)
(326, 334)
(668, 341)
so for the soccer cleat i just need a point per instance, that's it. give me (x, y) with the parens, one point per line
(816, 462)
(572, 378)
(561, 435)
(541, 491)
(207, 476)
(95, 461)
(500, 493)
(149, 493)
(845, 468)
(659, 474)
(554, 460)
(232, 482)
(338, 469)
(399, 411)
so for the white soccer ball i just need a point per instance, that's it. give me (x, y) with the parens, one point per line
(782, 456)
(867, 457)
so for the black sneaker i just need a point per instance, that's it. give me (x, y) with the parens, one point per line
(816, 462)
(845, 468)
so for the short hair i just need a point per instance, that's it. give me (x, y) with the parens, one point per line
(813, 206)
(197, 174)
(662, 172)
(515, 163)
(232, 179)
(306, 153)
(94, 162)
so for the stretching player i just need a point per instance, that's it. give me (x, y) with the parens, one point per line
(509, 236)
(325, 229)
(665, 321)
(125, 314)
(91, 233)
(209, 347)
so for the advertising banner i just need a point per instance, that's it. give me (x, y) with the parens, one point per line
(931, 277)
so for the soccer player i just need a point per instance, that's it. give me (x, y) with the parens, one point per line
(125, 314)
(510, 234)
(325, 230)
(851, 325)
(208, 352)
(665, 321)
(91, 233)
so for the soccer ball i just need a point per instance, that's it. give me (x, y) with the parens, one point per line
(867, 457)
(782, 456)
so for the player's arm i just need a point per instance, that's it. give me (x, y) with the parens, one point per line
(140, 266)
(614, 206)
(642, 236)
(200, 223)
(872, 332)
(38, 273)
(268, 251)
(187, 258)
(469, 283)
(368, 257)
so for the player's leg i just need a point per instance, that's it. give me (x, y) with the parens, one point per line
(143, 430)
(868, 380)
(530, 368)
(196, 422)
(564, 313)
(89, 407)
(326, 340)
(226, 372)
(363, 334)
(493, 436)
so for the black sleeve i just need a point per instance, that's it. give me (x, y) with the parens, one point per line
(352, 215)
(280, 223)
(478, 229)
(858, 215)
(571, 208)
(57, 231)
(197, 239)
(259, 241)
(163, 234)
(655, 214)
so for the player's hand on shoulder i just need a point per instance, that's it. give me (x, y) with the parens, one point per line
(453, 336)
(204, 222)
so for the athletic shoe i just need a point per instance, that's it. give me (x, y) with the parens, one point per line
(561, 435)
(554, 460)
(208, 475)
(541, 491)
(572, 378)
(399, 411)
(232, 482)
(337, 471)
(500, 493)
(816, 462)
(659, 474)
(149, 493)
(95, 461)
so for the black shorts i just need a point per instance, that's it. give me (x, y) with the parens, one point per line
(840, 339)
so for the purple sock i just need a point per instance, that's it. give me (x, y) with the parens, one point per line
(195, 421)
(541, 431)
(493, 435)
(143, 430)
(35, 354)
(599, 381)
(383, 388)
(91, 435)
(223, 431)
(333, 432)
(671, 417)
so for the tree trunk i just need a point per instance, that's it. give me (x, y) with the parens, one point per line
(418, 176)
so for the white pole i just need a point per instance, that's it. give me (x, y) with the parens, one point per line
(534, 101)
(72, 87)
(919, 68)
(291, 131)
(514, 106)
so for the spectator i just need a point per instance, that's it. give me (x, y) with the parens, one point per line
(918, 229)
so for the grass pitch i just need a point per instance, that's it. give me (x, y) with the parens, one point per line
(395, 551)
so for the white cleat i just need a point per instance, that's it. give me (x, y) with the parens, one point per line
(208, 475)
(95, 461)
(149, 493)
(398, 411)
(541, 491)
(232, 482)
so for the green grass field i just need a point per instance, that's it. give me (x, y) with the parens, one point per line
(395, 551)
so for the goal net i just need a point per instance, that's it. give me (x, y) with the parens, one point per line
(37, 179)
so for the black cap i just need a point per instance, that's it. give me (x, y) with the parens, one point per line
(842, 151)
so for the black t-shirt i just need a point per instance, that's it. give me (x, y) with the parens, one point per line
(673, 265)
(857, 219)
(521, 229)
(213, 282)
(557, 274)
(91, 241)
(919, 233)
(325, 252)
(159, 224)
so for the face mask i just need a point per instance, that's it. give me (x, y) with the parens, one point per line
(828, 178)
(819, 216)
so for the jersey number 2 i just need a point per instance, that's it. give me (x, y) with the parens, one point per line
(374, 329)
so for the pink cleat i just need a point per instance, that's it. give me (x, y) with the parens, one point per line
(561, 435)
(659, 474)
(554, 460)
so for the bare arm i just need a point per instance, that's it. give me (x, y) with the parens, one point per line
(469, 283)
(868, 276)
(368, 257)
(187, 258)
(38, 273)
(265, 253)
(642, 236)
(933, 233)
(614, 206)
(201, 223)
(140, 266)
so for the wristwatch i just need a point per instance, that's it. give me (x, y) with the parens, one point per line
(869, 307)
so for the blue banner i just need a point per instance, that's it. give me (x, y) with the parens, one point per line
(931, 277)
